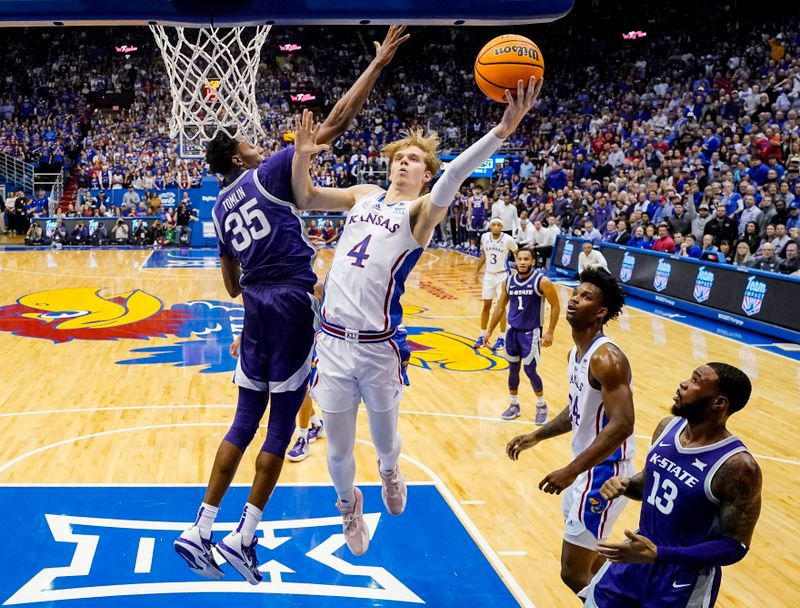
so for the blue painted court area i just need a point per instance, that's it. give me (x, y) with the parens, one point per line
(112, 547)
(183, 258)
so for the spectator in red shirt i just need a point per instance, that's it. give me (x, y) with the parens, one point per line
(664, 242)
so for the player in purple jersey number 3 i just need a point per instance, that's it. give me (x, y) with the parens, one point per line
(267, 259)
(701, 498)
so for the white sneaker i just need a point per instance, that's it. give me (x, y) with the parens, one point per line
(356, 533)
(242, 557)
(196, 551)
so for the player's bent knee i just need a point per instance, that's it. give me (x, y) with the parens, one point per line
(575, 579)
(277, 443)
(241, 435)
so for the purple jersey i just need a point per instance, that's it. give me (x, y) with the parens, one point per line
(525, 301)
(258, 225)
(678, 507)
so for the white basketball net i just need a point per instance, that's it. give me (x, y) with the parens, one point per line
(212, 74)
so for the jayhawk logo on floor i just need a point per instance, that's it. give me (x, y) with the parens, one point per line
(207, 329)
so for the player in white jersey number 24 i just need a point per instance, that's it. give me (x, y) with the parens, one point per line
(600, 415)
(385, 233)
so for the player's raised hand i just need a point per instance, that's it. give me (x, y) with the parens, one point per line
(520, 443)
(637, 550)
(384, 53)
(305, 135)
(518, 106)
(615, 487)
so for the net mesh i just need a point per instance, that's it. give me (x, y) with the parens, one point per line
(212, 76)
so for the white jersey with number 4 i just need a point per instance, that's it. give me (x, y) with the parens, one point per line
(373, 258)
(496, 251)
(586, 410)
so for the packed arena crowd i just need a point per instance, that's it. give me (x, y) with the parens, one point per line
(693, 150)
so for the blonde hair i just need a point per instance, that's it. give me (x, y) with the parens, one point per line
(416, 137)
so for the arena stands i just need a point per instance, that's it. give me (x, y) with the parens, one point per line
(700, 141)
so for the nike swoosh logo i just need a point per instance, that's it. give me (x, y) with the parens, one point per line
(677, 586)
(663, 445)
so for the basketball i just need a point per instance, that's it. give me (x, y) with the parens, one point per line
(505, 60)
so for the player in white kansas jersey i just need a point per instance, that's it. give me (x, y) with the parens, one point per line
(495, 247)
(600, 415)
(385, 234)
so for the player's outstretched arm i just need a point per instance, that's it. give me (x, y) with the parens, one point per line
(307, 196)
(429, 210)
(551, 295)
(499, 311)
(348, 107)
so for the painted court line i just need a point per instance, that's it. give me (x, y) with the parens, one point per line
(512, 553)
(473, 502)
(647, 438)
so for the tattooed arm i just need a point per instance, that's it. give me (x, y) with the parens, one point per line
(737, 485)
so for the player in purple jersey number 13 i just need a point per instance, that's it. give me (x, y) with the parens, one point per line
(701, 498)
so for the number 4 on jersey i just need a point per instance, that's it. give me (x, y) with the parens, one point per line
(359, 252)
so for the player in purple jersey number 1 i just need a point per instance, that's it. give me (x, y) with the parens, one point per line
(522, 295)
(266, 259)
(701, 498)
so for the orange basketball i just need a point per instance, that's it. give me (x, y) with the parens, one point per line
(504, 61)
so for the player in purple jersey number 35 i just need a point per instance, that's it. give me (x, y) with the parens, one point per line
(265, 258)
(701, 498)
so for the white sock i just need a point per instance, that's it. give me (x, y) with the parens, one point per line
(483, 332)
(206, 515)
(540, 401)
(302, 433)
(347, 499)
(502, 334)
(315, 420)
(251, 517)
(513, 399)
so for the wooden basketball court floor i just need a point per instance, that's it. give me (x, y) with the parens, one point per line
(72, 414)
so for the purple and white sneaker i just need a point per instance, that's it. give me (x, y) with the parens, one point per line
(479, 343)
(499, 345)
(242, 557)
(541, 414)
(196, 552)
(511, 413)
(300, 451)
(316, 431)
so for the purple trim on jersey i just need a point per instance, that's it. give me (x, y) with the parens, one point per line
(395, 309)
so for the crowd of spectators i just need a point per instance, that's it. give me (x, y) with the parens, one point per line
(685, 144)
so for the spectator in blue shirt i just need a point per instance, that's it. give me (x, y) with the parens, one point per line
(757, 171)
(688, 248)
(590, 233)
